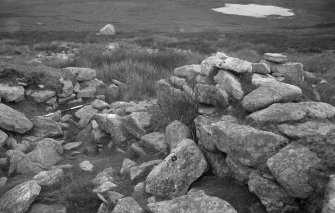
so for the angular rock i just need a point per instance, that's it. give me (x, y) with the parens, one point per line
(318, 109)
(202, 79)
(49, 178)
(140, 170)
(192, 202)
(230, 84)
(86, 166)
(274, 197)
(292, 71)
(11, 93)
(208, 66)
(178, 82)
(136, 123)
(156, 141)
(306, 129)
(112, 93)
(248, 145)
(112, 124)
(67, 89)
(13, 120)
(86, 93)
(261, 68)
(82, 74)
(237, 170)
(15, 157)
(45, 127)
(42, 95)
(107, 30)
(85, 114)
(99, 104)
(104, 181)
(3, 181)
(139, 189)
(205, 133)
(126, 165)
(175, 174)
(113, 197)
(19, 198)
(176, 132)
(217, 162)
(72, 145)
(290, 168)
(275, 58)
(210, 94)
(279, 112)
(47, 153)
(42, 208)
(67, 99)
(188, 72)
(3, 138)
(127, 204)
(235, 65)
(329, 199)
(269, 94)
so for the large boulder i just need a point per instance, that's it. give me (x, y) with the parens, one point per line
(175, 174)
(47, 153)
(193, 202)
(307, 129)
(107, 30)
(248, 145)
(290, 167)
(176, 132)
(270, 93)
(82, 74)
(112, 124)
(230, 84)
(13, 120)
(279, 112)
(45, 127)
(19, 198)
(11, 93)
(274, 197)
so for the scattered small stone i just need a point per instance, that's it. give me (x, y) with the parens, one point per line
(86, 166)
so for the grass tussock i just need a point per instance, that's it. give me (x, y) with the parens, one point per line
(134, 66)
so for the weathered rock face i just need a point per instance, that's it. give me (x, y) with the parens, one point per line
(178, 82)
(47, 153)
(188, 72)
(237, 170)
(269, 94)
(307, 129)
(292, 71)
(261, 80)
(13, 120)
(176, 132)
(82, 74)
(174, 175)
(230, 84)
(49, 178)
(275, 58)
(104, 181)
(136, 123)
(99, 104)
(156, 141)
(210, 94)
(318, 109)
(42, 208)
(192, 202)
(208, 66)
(112, 124)
(205, 133)
(15, 157)
(45, 127)
(217, 162)
(3, 138)
(279, 112)
(126, 165)
(11, 93)
(127, 204)
(235, 65)
(19, 198)
(261, 68)
(290, 168)
(248, 145)
(67, 89)
(85, 115)
(42, 95)
(329, 204)
(273, 197)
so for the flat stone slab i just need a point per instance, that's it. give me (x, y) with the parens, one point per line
(307, 129)
(72, 145)
(275, 58)
(13, 120)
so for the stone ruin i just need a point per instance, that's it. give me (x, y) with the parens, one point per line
(252, 126)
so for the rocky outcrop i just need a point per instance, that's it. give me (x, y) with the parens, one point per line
(13, 120)
(19, 198)
(174, 175)
(196, 201)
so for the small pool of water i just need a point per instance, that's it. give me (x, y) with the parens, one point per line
(254, 10)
